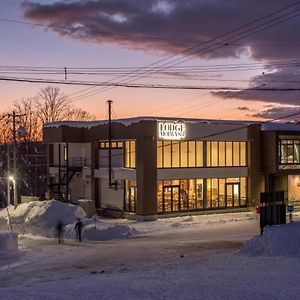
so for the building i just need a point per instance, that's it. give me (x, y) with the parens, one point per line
(147, 167)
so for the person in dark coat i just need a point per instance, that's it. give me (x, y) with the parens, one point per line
(78, 229)
(60, 232)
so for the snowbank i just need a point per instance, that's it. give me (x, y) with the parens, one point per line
(96, 230)
(8, 244)
(40, 217)
(280, 240)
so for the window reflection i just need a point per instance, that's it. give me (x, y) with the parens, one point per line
(130, 196)
(188, 194)
(289, 151)
(189, 154)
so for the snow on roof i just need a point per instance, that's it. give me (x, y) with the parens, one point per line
(130, 121)
(265, 126)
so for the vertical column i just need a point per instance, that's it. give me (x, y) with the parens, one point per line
(255, 176)
(95, 181)
(146, 171)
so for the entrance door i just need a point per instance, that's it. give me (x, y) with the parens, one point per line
(232, 194)
(171, 198)
(132, 198)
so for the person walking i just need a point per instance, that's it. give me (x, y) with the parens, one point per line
(60, 231)
(78, 229)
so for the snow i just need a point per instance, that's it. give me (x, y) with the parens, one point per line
(40, 217)
(193, 257)
(130, 121)
(283, 240)
(8, 244)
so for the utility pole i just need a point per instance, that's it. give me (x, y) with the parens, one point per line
(109, 143)
(8, 174)
(13, 178)
(15, 160)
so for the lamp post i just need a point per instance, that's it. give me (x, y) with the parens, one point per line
(11, 178)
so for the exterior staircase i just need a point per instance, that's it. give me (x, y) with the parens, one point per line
(66, 175)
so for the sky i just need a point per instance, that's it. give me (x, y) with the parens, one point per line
(230, 45)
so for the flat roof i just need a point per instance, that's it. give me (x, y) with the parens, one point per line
(265, 126)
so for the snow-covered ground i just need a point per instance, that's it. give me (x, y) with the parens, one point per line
(195, 257)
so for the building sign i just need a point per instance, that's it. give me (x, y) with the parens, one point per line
(171, 130)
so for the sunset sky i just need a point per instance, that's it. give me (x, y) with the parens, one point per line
(234, 44)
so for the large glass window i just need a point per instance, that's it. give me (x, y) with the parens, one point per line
(289, 153)
(175, 154)
(179, 195)
(214, 154)
(221, 154)
(167, 155)
(130, 154)
(199, 194)
(222, 193)
(236, 154)
(199, 154)
(228, 154)
(184, 154)
(192, 154)
(243, 154)
(130, 196)
(189, 154)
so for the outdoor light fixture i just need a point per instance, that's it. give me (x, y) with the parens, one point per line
(11, 178)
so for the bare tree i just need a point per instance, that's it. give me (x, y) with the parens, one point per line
(53, 105)
(48, 106)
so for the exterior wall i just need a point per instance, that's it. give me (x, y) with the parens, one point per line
(269, 153)
(117, 159)
(189, 173)
(146, 170)
(216, 132)
(77, 188)
(79, 154)
(110, 197)
(256, 177)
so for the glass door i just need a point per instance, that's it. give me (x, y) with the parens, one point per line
(171, 198)
(132, 198)
(232, 194)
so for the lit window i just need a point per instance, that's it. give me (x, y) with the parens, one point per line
(65, 153)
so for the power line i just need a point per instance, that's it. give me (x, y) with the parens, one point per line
(187, 51)
(151, 86)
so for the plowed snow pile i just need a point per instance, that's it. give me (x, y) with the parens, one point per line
(41, 218)
(279, 240)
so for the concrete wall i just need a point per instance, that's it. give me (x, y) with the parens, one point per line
(110, 197)
(77, 189)
(256, 182)
(117, 159)
(216, 132)
(79, 154)
(186, 173)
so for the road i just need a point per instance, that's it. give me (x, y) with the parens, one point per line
(43, 260)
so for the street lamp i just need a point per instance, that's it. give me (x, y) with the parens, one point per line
(11, 178)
